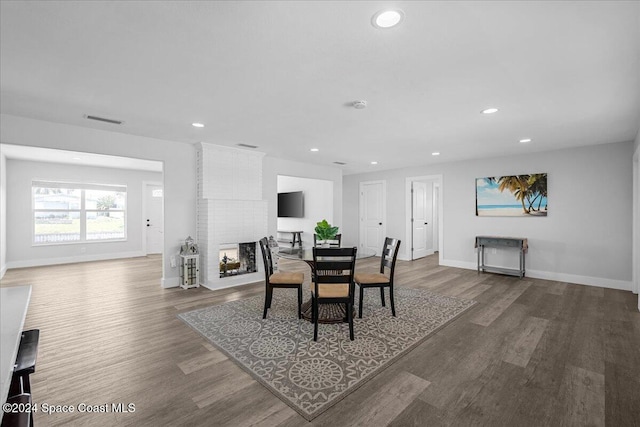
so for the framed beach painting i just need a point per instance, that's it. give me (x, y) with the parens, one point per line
(514, 195)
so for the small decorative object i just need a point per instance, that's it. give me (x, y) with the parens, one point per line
(189, 247)
(514, 195)
(189, 265)
(325, 231)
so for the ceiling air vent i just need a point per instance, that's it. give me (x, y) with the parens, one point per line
(340, 163)
(103, 119)
(247, 146)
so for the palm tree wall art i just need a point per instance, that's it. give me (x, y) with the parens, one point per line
(513, 195)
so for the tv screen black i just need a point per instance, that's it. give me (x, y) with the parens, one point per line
(291, 205)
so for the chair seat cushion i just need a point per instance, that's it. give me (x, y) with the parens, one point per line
(370, 278)
(285, 278)
(331, 290)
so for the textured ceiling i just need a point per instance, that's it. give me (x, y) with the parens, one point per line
(282, 75)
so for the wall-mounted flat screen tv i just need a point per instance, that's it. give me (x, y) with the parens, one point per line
(291, 205)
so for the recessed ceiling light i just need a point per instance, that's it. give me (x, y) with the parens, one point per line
(359, 105)
(314, 150)
(435, 153)
(387, 18)
(197, 125)
(489, 110)
(525, 140)
(76, 158)
(374, 163)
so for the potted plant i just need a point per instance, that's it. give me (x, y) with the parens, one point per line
(325, 231)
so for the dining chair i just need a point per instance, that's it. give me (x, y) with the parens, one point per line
(333, 243)
(333, 282)
(381, 280)
(280, 279)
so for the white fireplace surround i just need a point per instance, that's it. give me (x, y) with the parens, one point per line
(230, 208)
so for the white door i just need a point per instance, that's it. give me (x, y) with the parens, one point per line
(372, 215)
(422, 219)
(436, 226)
(419, 219)
(153, 220)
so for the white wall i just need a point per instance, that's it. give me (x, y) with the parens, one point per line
(20, 250)
(318, 205)
(179, 169)
(3, 214)
(273, 167)
(585, 239)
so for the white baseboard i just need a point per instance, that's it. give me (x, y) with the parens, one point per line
(623, 285)
(170, 282)
(72, 259)
(229, 282)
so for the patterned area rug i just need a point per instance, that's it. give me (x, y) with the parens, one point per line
(312, 376)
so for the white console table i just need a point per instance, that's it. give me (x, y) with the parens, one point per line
(14, 302)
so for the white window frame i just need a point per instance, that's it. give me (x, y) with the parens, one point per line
(82, 211)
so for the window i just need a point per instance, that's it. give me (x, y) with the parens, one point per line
(67, 213)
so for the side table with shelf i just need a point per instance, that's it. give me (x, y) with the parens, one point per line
(296, 238)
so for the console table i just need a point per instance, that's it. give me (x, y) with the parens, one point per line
(518, 243)
(296, 238)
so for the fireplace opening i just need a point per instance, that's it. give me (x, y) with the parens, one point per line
(237, 258)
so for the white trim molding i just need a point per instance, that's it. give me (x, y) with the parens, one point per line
(72, 259)
(635, 253)
(170, 282)
(602, 282)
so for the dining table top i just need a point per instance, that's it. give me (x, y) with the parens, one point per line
(306, 253)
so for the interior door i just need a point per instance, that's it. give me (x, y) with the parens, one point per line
(419, 220)
(372, 215)
(423, 204)
(153, 221)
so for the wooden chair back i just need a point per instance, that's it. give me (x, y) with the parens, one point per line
(266, 257)
(334, 265)
(389, 255)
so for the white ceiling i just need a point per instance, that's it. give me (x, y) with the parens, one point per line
(282, 75)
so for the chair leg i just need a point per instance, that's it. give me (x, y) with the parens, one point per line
(382, 295)
(393, 306)
(350, 317)
(360, 302)
(315, 319)
(267, 302)
(300, 302)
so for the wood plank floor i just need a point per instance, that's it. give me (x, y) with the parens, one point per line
(531, 353)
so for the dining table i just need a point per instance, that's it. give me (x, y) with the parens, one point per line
(328, 313)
